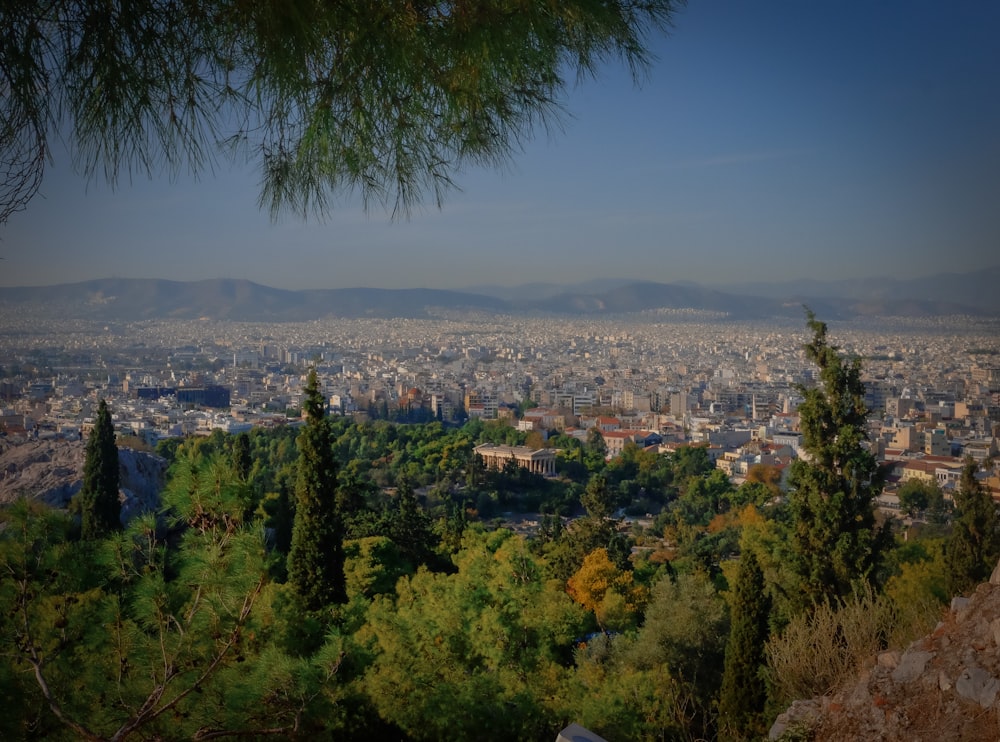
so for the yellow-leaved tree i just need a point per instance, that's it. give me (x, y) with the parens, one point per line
(611, 593)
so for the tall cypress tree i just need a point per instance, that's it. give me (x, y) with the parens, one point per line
(100, 510)
(241, 456)
(974, 546)
(836, 543)
(316, 557)
(743, 693)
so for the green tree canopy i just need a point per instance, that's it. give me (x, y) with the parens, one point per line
(492, 637)
(690, 461)
(917, 496)
(972, 551)
(242, 458)
(316, 557)
(387, 98)
(595, 450)
(684, 637)
(835, 543)
(145, 637)
(97, 501)
(743, 693)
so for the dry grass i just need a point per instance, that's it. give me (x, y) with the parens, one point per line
(821, 650)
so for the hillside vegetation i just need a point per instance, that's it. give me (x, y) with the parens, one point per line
(417, 609)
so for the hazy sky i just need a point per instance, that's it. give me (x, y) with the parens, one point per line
(772, 140)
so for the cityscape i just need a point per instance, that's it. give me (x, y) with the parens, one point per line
(486, 370)
(932, 385)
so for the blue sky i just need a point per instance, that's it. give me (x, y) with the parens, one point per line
(772, 140)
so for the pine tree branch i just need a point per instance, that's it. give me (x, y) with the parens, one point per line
(36, 663)
(204, 734)
(31, 655)
(150, 709)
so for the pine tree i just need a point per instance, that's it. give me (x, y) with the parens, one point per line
(316, 557)
(97, 501)
(974, 545)
(743, 693)
(835, 542)
(389, 99)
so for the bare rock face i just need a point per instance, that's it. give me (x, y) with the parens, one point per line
(142, 477)
(945, 686)
(52, 471)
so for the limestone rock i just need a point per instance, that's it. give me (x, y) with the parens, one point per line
(802, 713)
(978, 686)
(911, 666)
(995, 576)
(52, 471)
(576, 733)
(944, 683)
(944, 686)
(889, 660)
(960, 606)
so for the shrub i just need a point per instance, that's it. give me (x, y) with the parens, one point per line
(821, 649)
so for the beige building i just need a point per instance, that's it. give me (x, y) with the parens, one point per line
(616, 440)
(904, 437)
(925, 471)
(537, 461)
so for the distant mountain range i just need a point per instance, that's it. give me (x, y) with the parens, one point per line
(974, 293)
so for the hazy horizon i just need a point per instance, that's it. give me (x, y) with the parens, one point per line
(611, 280)
(771, 142)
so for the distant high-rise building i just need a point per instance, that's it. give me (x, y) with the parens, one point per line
(206, 396)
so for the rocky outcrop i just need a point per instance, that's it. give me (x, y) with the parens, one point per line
(142, 477)
(945, 686)
(52, 471)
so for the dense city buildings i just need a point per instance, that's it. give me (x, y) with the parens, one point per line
(933, 386)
